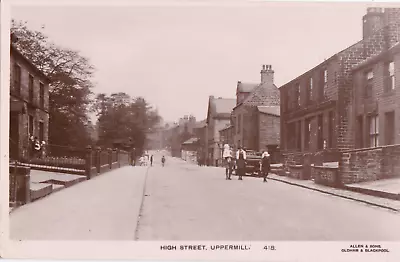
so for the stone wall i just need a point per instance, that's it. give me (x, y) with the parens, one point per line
(369, 164)
(328, 176)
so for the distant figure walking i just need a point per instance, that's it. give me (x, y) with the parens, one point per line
(241, 162)
(151, 160)
(163, 160)
(265, 164)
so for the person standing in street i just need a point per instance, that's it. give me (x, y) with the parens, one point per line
(241, 162)
(228, 162)
(151, 160)
(265, 164)
(163, 160)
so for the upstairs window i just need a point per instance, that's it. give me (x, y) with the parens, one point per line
(30, 88)
(239, 120)
(17, 79)
(390, 79)
(310, 89)
(297, 95)
(41, 95)
(369, 77)
(325, 82)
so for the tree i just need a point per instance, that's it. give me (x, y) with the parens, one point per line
(121, 117)
(70, 84)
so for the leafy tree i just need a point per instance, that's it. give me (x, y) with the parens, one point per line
(70, 84)
(121, 117)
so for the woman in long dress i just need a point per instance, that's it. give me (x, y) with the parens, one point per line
(228, 161)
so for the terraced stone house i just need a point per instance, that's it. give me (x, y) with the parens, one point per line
(349, 100)
(29, 104)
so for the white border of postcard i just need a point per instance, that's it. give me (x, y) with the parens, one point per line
(157, 250)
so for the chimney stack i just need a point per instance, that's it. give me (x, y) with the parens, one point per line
(373, 21)
(267, 75)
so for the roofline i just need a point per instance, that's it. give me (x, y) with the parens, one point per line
(272, 114)
(310, 70)
(13, 49)
(374, 59)
(225, 128)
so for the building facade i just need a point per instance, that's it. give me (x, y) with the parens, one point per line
(317, 108)
(376, 101)
(29, 105)
(246, 115)
(218, 117)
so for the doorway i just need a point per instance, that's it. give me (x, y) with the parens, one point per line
(14, 136)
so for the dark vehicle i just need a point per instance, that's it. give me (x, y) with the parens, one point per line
(253, 163)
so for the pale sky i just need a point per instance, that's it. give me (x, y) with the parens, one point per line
(176, 57)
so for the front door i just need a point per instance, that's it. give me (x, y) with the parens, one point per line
(14, 136)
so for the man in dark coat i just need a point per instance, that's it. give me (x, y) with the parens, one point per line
(241, 162)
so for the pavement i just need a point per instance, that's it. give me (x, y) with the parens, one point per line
(103, 208)
(370, 199)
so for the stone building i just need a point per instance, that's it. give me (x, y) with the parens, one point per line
(29, 104)
(248, 116)
(317, 107)
(218, 116)
(375, 111)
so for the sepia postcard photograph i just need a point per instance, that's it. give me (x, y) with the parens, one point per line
(243, 130)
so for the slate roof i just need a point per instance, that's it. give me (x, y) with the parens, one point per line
(271, 110)
(246, 87)
(224, 105)
(263, 95)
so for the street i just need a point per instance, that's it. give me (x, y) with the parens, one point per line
(187, 202)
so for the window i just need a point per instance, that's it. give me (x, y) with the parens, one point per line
(307, 133)
(331, 127)
(297, 96)
(320, 132)
(390, 80)
(17, 79)
(42, 95)
(30, 88)
(41, 131)
(239, 123)
(325, 83)
(389, 128)
(369, 76)
(373, 131)
(360, 132)
(310, 89)
(30, 125)
(298, 133)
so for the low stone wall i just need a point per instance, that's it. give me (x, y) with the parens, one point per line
(328, 176)
(296, 171)
(369, 164)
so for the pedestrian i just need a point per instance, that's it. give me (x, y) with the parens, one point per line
(227, 155)
(241, 162)
(163, 160)
(151, 160)
(265, 164)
